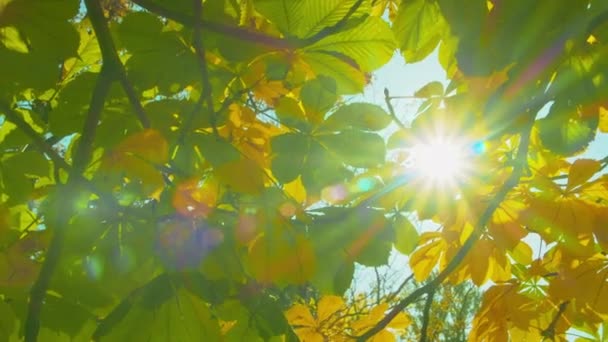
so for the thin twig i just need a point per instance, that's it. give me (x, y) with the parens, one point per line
(400, 288)
(485, 217)
(391, 110)
(426, 317)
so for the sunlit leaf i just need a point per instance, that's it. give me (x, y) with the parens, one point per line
(418, 28)
(581, 170)
(370, 44)
(425, 258)
(406, 235)
(362, 116)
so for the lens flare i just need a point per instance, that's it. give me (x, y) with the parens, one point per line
(441, 161)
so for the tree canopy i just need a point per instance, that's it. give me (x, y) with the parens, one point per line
(185, 170)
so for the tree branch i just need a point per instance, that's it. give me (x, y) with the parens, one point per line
(80, 161)
(112, 61)
(426, 317)
(549, 332)
(485, 217)
(233, 31)
(38, 140)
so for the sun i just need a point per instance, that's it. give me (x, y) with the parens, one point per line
(440, 161)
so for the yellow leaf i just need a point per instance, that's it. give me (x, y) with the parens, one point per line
(603, 125)
(137, 157)
(580, 171)
(299, 315)
(328, 306)
(424, 259)
(383, 336)
(522, 253)
(479, 259)
(194, 198)
(242, 175)
(401, 321)
(282, 257)
(296, 190)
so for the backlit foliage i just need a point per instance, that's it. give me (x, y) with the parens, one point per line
(181, 170)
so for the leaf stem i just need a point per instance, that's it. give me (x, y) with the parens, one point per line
(391, 109)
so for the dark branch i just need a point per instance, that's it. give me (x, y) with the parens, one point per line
(38, 140)
(233, 31)
(426, 315)
(80, 161)
(550, 331)
(512, 181)
(112, 61)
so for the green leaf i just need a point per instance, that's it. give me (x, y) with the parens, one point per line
(183, 318)
(363, 116)
(375, 254)
(418, 28)
(216, 151)
(56, 309)
(564, 132)
(322, 169)
(343, 277)
(355, 148)
(8, 322)
(402, 138)
(304, 18)
(72, 104)
(50, 40)
(266, 314)
(406, 235)
(370, 44)
(151, 46)
(30, 163)
(349, 78)
(431, 89)
(290, 154)
(318, 96)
